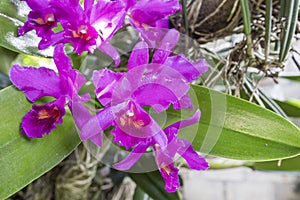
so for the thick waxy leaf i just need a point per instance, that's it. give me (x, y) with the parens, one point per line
(6, 57)
(12, 15)
(22, 160)
(291, 164)
(290, 107)
(153, 184)
(234, 128)
(293, 78)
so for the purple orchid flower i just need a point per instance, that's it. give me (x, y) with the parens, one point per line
(150, 17)
(151, 13)
(163, 56)
(89, 27)
(123, 96)
(164, 156)
(41, 18)
(85, 28)
(40, 82)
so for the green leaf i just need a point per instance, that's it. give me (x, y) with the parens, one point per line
(268, 26)
(246, 16)
(234, 128)
(6, 57)
(140, 194)
(292, 78)
(247, 26)
(12, 16)
(153, 184)
(290, 12)
(290, 107)
(22, 160)
(291, 164)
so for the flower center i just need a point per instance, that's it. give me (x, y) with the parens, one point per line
(82, 33)
(130, 118)
(165, 168)
(49, 114)
(48, 19)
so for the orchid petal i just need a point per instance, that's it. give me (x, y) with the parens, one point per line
(108, 49)
(184, 123)
(184, 102)
(88, 5)
(37, 4)
(170, 175)
(150, 11)
(167, 169)
(167, 83)
(97, 140)
(108, 17)
(61, 60)
(124, 139)
(193, 159)
(36, 82)
(132, 158)
(139, 55)
(105, 81)
(97, 124)
(189, 70)
(165, 47)
(67, 10)
(42, 119)
(54, 39)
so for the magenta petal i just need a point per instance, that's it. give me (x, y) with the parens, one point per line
(184, 123)
(170, 175)
(37, 4)
(168, 84)
(165, 47)
(35, 82)
(139, 55)
(105, 81)
(150, 11)
(42, 119)
(97, 140)
(124, 139)
(67, 10)
(81, 117)
(54, 39)
(88, 5)
(193, 159)
(188, 69)
(62, 61)
(105, 47)
(80, 114)
(184, 102)
(41, 18)
(97, 124)
(134, 120)
(129, 3)
(132, 158)
(167, 169)
(163, 23)
(108, 17)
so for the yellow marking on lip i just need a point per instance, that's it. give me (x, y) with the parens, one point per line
(138, 123)
(40, 21)
(123, 121)
(82, 33)
(43, 114)
(166, 168)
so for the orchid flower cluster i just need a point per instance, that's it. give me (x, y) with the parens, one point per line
(159, 81)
